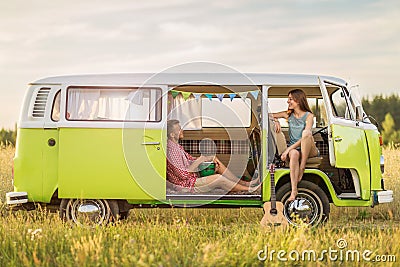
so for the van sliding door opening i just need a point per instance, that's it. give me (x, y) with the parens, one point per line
(226, 123)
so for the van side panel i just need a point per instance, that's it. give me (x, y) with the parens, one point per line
(375, 152)
(50, 163)
(92, 164)
(28, 163)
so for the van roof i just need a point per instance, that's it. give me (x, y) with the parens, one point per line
(175, 79)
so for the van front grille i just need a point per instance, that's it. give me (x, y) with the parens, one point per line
(39, 107)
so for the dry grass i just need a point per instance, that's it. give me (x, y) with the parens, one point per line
(6, 156)
(194, 237)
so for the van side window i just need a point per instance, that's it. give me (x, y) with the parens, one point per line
(340, 105)
(55, 111)
(114, 104)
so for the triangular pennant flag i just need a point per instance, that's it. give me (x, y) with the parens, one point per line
(197, 96)
(243, 95)
(209, 96)
(232, 96)
(186, 95)
(255, 94)
(220, 96)
(174, 93)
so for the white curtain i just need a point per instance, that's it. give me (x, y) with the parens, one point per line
(188, 112)
(113, 105)
(83, 104)
(139, 105)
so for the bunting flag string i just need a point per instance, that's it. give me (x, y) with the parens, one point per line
(243, 95)
(209, 96)
(197, 96)
(255, 94)
(186, 95)
(220, 96)
(174, 93)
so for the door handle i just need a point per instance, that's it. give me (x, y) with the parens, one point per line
(150, 143)
(338, 139)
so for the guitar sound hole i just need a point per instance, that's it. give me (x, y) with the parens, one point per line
(273, 212)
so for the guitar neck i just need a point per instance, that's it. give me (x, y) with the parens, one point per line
(272, 178)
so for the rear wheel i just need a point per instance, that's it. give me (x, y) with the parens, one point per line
(89, 212)
(310, 207)
(123, 215)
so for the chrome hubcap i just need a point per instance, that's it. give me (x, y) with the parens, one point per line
(304, 208)
(88, 212)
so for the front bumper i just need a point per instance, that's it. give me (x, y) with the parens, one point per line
(385, 196)
(14, 198)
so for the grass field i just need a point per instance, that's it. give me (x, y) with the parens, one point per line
(202, 237)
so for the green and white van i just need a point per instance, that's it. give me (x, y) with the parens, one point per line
(94, 146)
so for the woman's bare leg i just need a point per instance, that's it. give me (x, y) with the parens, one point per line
(308, 149)
(294, 156)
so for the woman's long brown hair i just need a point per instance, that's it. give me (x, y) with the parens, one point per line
(300, 97)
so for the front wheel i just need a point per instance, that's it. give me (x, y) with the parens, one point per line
(89, 212)
(310, 207)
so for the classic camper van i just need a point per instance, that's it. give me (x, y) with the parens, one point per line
(94, 146)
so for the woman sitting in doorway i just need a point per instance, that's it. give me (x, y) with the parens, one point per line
(301, 142)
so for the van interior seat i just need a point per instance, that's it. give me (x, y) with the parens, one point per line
(281, 144)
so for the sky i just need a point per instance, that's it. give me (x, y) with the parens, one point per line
(356, 40)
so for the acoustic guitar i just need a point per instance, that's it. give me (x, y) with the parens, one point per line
(273, 210)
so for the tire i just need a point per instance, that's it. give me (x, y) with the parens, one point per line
(114, 208)
(123, 215)
(88, 212)
(63, 209)
(310, 207)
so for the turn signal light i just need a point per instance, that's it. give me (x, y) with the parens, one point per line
(381, 140)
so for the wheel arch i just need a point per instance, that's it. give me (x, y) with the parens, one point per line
(311, 177)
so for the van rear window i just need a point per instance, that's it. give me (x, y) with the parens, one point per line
(114, 104)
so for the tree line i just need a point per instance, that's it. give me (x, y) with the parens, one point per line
(8, 137)
(386, 112)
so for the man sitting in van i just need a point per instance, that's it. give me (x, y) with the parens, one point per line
(182, 168)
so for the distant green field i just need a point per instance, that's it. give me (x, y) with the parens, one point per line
(202, 237)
